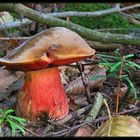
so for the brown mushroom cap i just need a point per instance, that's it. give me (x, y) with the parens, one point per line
(53, 47)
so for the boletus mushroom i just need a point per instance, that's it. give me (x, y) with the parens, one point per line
(39, 58)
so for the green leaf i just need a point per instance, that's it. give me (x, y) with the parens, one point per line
(132, 64)
(107, 64)
(12, 126)
(132, 87)
(20, 120)
(8, 111)
(2, 112)
(124, 76)
(115, 66)
(15, 126)
(118, 54)
(107, 56)
(129, 55)
(1, 120)
(104, 60)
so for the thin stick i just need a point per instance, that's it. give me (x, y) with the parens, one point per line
(108, 110)
(73, 115)
(85, 82)
(17, 23)
(119, 85)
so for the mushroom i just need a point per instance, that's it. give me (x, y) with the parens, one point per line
(39, 58)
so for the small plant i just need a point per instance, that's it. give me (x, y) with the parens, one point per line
(119, 67)
(16, 123)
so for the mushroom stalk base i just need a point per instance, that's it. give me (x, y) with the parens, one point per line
(42, 93)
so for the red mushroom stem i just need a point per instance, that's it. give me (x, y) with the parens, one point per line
(43, 92)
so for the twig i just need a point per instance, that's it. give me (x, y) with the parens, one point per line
(63, 132)
(108, 110)
(14, 38)
(73, 115)
(131, 18)
(31, 132)
(93, 14)
(119, 85)
(129, 111)
(80, 67)
(17, 23)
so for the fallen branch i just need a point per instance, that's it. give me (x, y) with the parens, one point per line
(14, 38)
(131, 18)
(87, 33)
(95, 107)
(17, 23)
(93, 14)
(103, 46)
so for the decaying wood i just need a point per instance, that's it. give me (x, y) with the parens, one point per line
(16, 23)
(103, 46)
(97, 104)
(77, 87)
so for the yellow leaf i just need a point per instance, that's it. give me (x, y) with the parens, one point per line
(119, 126)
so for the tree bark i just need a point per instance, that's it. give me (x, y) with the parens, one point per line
(93, 14)
(17, 23)
(84, 32)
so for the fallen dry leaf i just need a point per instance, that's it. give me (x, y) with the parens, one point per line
(77, 86)
(84, 131)
(7, 78)
(119, 126)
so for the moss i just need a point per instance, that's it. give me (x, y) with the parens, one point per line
(113, 20)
